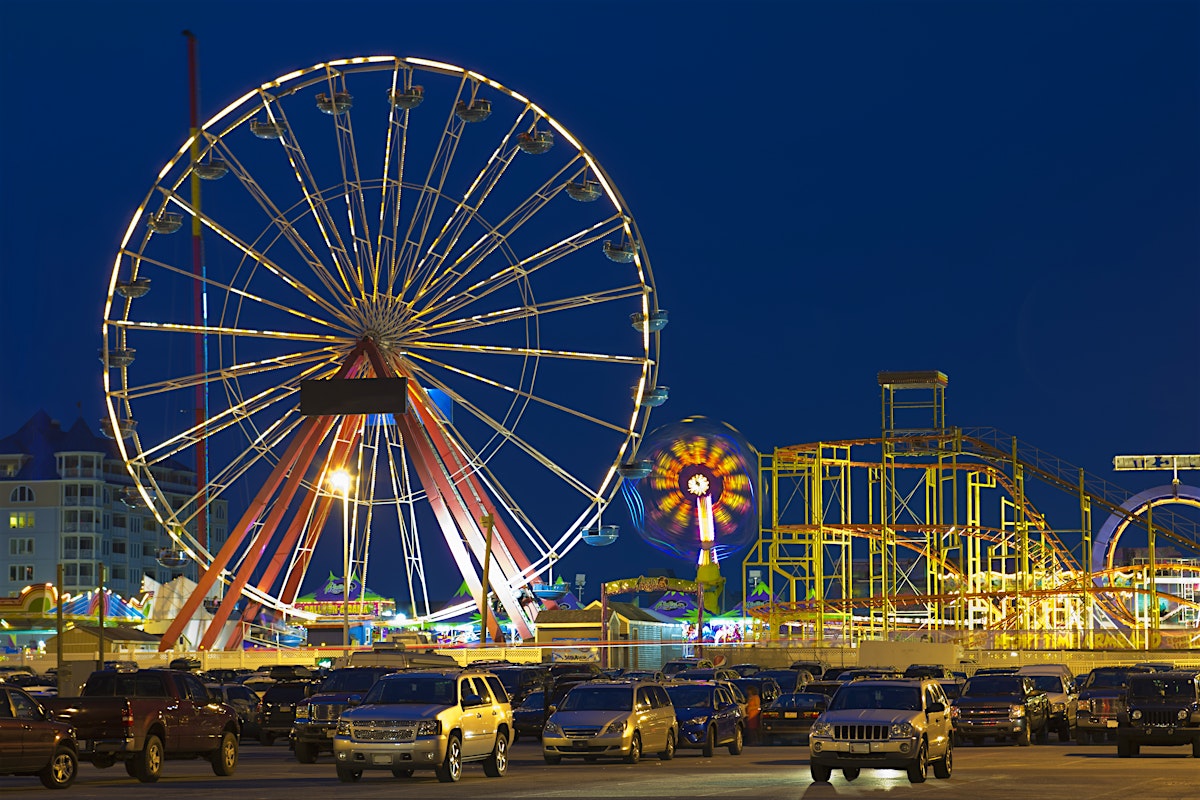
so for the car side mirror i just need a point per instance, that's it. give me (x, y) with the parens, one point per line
(935, 708)
(354, 699)
(471, 700)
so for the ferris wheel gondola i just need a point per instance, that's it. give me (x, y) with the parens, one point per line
(382, 217)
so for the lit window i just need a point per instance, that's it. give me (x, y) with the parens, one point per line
(20, 519)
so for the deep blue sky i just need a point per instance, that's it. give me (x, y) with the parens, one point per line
(1005, 191)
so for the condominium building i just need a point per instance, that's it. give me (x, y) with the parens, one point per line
(66, 498)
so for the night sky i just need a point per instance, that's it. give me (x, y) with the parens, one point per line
(1008, 192)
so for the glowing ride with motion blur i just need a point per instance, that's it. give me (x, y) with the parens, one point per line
(381, 218)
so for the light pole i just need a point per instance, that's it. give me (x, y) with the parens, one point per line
(340, 480)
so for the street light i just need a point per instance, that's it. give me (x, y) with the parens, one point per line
(340, 480)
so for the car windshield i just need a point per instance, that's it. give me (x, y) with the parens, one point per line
(801, 702)
(598, 698)
(992, 684)
(907, 698)
(424, 689)
(1048, 683)
(532, 701)
(1145, 687)
(690, 696)
(350, 680)
(1107, 679)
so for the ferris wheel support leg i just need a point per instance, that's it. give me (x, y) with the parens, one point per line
(287, 545)
(236, 536)
(295, 477)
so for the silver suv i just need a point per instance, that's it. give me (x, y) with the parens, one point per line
(612, 718)
(429, 719)
(890, 723)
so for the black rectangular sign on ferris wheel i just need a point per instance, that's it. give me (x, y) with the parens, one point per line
(330, 398)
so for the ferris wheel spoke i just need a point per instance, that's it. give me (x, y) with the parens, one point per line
(431, 191)
(325, 356)
(321, 214)
(521, 270)
(526, 312)
(464, 211)
(507, 433)
(446, 280)
(395, 145)
(210, 330)
(520, 393)
(535, 352)
(250, 252)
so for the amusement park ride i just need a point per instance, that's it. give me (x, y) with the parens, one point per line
(948, 531)
(380, 218)
(400, 219)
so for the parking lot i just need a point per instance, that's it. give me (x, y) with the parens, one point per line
(1065, 771)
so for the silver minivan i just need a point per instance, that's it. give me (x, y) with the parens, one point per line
(612, 719)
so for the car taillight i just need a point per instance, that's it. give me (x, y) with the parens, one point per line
(127, 717)
(770, 714)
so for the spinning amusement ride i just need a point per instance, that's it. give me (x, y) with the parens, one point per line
(379, 217)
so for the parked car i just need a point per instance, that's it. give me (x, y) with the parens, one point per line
(185, 664)
(789, 680)
(33, 743)
(244, 701)
(1163, 709)
(612, 719)
(813, 667)
(952, 687)
(790, 716)
(768, 688)
(279, 709)
(1059, 687)
(146, 717)
(861, 673)
(709, 717)
(827, 688)
(747, 670)
(520, 679)
(708, 674)
(1001, 706)
(437, 719)
(529, 715)
(901, 724)
(935, 671)
(680, 664)
(644, 675)
(1102, 703)
(315, 718)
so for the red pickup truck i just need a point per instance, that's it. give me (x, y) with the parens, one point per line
(146, 717)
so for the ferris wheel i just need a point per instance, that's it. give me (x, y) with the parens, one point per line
(379, 217)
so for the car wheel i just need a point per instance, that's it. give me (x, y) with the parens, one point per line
(669, 752)
(306, 753)
(497, 763)
(348, 775)
(919, 765)
(820, 772)
(450, 769)
(944, 766)
(850, 773)
(147, 765)
(735, 747)
(710, 743)
(1123, 749)
(635, 749)
(1024, 739)
(225, 758)
(551, 760)
(62, 769)
(402, 773)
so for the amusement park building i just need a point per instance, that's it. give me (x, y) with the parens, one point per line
(66, 497)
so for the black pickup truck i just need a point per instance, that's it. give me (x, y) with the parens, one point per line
(1002, 706)
(145, 717)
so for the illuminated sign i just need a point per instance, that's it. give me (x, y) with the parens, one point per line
(1156, 462)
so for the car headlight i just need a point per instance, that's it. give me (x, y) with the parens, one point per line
(954, 712)
(697, 722)
(301, 712)
(1183, 714)
(1016, 712)
(429, 727)
(615, 728)
(1137, 713)
(901, 729)
(552, 729)
(343, 728)
(821, 729)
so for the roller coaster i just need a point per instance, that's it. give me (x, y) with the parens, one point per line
(967, 535)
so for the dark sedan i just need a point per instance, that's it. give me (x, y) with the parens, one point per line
(791, 716)
(529, 716)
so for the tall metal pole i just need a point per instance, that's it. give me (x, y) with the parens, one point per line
(199, 303)
(58, 621)
(100, 613)
(487, 520)
(346, 571)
